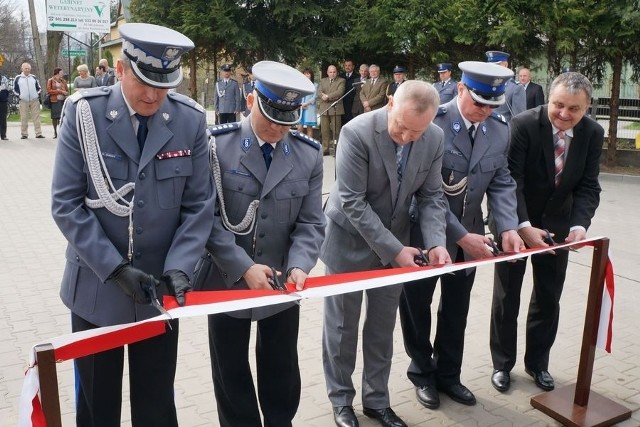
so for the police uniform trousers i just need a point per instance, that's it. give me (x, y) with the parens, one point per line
(544, 310)
(278, 373)
(4, 106)
(226, 118)
(152, 367)
(444, 368)
(340, 341)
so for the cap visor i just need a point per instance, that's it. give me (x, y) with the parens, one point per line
(158, 80)
(494, 100)
(285, 118)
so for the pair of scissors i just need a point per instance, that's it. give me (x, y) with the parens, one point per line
(549, 241)
(421, 259)
(150, 290)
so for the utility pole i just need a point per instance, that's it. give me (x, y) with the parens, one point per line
(36, 43)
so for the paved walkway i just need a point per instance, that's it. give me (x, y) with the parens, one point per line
(31, 262)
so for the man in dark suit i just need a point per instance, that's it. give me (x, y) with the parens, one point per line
(285, 235)
(474, 165)
(357, 108)
(385, 158)
(155, 141)
(350, 76)
(535, 95)
(554, 158)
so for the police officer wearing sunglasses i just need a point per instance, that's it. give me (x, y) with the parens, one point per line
(474, 164)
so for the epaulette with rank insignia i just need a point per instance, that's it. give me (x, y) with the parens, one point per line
(222, 129)
(305, 138)
(90, 93)
(441, 110)
(175, 96)
(498, 117)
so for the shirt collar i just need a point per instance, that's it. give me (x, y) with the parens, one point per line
(568, 132)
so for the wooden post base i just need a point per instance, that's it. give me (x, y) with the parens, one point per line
(599, 412)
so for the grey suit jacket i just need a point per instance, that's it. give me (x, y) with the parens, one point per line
(516, 101)
(367, 211)
(290, 225)
(486, 168)
(172, 214)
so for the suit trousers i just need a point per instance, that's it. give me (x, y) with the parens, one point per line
(330, 126)
(152, 367)
(340, 341)
(415, 319)
(276, 363)
(226, 118)
(544, 310)
(448, 346)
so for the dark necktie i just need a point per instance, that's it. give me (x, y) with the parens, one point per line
(472, 128)
(142, 130)
(559, 148)
(266, 153)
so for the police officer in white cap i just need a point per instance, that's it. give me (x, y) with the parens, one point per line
(132, 195)
(515, 95)
(263, 164)
(474, 164)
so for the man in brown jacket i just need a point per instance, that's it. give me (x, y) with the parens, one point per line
(331, 89)
(373, 93)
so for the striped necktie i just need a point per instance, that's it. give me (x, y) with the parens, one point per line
(559, 149)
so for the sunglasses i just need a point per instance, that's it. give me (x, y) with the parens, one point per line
(480, 104)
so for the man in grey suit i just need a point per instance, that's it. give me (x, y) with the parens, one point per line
(385, 158)
(515, 96)
(474, 165)
(261, 161)
(227, 99)
(152, 145)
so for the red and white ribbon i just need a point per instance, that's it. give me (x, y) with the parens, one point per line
(88, 342)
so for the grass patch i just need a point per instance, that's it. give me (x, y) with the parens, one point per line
(45, 117)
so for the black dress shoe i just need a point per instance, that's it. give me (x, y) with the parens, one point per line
(459, 393)
(4, 138)
(345, 417)
(501, 380)
(428, 396)
(23, 137)
(543, 379)
(39, 136)
(386, 417)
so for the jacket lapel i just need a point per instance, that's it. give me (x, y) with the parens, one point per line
(546, 139)
(386, 149)
(120, 129)
(159, 134)
(480, 145)
(280, 167)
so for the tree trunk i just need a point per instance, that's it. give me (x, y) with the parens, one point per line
(193, 83)
(36, 43)
(616, 68)
(54, 41)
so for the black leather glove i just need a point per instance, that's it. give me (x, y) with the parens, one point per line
(132, 282)
(177, 283)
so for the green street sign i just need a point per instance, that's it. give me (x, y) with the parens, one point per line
(70, 53)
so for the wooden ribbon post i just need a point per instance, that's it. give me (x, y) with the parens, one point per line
(48, 376)
(575, 404)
